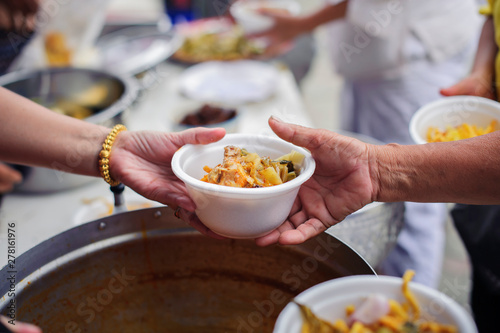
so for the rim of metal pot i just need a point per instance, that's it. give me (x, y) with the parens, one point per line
(98, 234)
(130, 92)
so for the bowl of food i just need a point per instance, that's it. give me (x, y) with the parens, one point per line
(207, 115)
(215, 39)
(374, 304)
(454, 118)
(244, 185)
(92, 95)
(249, 14)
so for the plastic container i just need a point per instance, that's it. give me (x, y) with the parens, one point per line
(453, 111)
(329, 299)
(247, 16)
(239, 212)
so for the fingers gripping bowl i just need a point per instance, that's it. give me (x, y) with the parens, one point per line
(239, 212)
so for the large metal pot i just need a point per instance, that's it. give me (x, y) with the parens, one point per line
(75, 87)
(372, 231)
(145, 271)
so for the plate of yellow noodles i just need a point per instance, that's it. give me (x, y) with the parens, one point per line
(373, 304)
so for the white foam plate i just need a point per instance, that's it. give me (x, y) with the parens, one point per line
(230, 83)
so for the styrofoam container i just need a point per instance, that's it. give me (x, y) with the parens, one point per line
(453, 111)
(329, 299)
(239, 212)
(251, 21)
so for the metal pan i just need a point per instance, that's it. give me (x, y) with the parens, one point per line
(145, 271)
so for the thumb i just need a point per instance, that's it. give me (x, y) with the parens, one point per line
(199, 135)
(464, 87)
(451, 91)
(296, 134)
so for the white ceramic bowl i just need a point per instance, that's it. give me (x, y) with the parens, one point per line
(251, 21)
(453, 111)
(329, 299)
(239, 212)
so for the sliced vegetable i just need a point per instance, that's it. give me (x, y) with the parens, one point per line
(271, 176)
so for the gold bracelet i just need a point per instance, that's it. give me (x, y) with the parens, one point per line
(105, 154)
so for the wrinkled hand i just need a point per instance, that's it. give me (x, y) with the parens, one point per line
(142, 161)
(20, 327)
(473, 85)
(340, 185)
(8, 178)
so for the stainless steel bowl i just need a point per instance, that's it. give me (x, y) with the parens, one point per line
(146, 271)
(105, 98)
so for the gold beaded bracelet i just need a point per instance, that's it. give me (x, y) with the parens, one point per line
(105, 153)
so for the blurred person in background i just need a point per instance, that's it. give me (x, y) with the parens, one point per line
(17, 22)
(479, 225)
(394, 56)
(297, 58)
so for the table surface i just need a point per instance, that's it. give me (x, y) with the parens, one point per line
(38, 217)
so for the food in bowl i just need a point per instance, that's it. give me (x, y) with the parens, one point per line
(223, 46)
(378, 314)
(463, 131)
(243, 169)
(452, 112)
(205, 115)
(56, 49)
(239, 212)
(82, 104)
(329, 301)
(208, 115)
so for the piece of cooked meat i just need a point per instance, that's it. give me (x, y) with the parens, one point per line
(231, 172)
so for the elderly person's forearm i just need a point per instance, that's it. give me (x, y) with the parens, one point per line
(465, 171)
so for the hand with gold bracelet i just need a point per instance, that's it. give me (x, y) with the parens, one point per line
(36, 136)
(141, 160)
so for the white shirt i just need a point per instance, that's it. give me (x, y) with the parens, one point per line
(377, 37)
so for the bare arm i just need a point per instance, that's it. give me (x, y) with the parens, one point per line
(34, 135)
(484, 61)
(351, 174)
(480, 80)
(465, 171)
(326, 14)
(288, 27)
